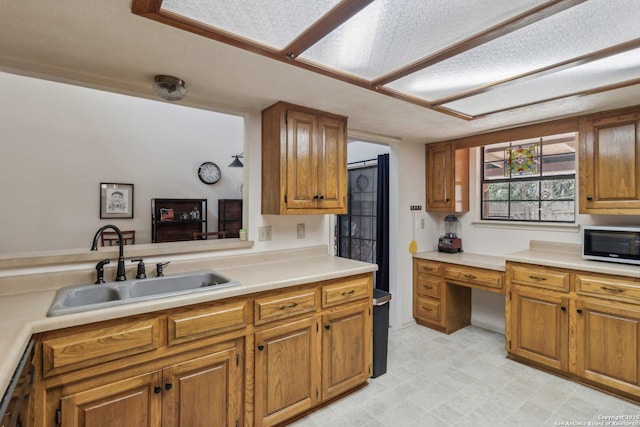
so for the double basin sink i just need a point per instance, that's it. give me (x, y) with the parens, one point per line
(74, 299)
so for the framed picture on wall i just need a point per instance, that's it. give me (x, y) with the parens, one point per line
(116, 200)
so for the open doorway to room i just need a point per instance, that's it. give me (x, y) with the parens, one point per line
(357, 231)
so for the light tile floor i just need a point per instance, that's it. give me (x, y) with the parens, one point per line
(465, 379)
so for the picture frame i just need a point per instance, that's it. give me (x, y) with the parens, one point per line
(116, 200)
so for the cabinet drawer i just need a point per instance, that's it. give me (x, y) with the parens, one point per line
(428, 308)
(428, 286)
(428, 267)
(493, 280)
(345, 291)
(99, 345)
(203, 322)
(540, 277)
(615, 288)
(268, 309)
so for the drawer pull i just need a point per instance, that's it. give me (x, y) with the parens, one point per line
(614, 290)
(428, 268)
(352, 291)
(539, 279)
(293, 304)
(427, 309)
(428, 287)
(470, 276)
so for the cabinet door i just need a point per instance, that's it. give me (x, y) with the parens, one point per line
(332, 166)
(609, 165)
(346, 349)
(204, 392)
(607, 340)
(439, 170)
(447, 175)
(134, 402)
(540, 326)
(302, 160)
(287, 371)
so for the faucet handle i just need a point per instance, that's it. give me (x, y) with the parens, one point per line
(160, 267)
(100, 270)
(141, 273)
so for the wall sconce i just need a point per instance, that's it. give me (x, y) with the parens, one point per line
(169, 88)
(236, 163)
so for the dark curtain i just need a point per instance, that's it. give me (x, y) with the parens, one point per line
(382, 244)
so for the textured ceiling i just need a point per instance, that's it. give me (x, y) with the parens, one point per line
(101, 44)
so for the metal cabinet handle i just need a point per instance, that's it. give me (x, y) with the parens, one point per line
(428, 287)
(427, 309)
(579, 311)
(168, 386)
(470, 276)
(327, 327)
(539, 279)
(352, 291)
(157, 389)
(563, 309)
(428, 268)
(589, 198)
(614, 290)
(293, 304)
(260, 347)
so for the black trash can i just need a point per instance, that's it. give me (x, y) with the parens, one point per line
(380, 331)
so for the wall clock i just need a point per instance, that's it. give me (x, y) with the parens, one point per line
(209, 173)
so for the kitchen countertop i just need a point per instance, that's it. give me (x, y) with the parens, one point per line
(24, 314)
(465, 258)
(550, 254)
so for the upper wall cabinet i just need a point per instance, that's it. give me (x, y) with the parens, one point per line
(609, 151)
(304, 161)
(447, 175)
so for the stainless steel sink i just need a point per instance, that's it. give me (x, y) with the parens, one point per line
(89, 295)
(194, 282)
(74, 299)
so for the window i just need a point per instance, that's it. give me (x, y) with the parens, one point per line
(530, 180)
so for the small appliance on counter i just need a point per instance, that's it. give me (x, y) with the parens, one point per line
(611, 243)
(450, 242)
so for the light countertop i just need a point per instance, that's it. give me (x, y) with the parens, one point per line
(24, 314)
(465, 258)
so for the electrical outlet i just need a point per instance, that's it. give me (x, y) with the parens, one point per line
(264, 233)
(300, 231)
(415, 207)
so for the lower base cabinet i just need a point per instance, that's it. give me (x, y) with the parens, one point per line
(584, 326)
(210, 364)
(540, 327)
(205, 391)
(286, 372)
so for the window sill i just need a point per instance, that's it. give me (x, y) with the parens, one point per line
(537, 226)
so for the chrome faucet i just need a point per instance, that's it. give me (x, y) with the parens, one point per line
(120, 274)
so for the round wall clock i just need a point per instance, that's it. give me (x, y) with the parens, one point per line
(209, 173)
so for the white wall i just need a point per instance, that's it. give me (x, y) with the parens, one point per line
(59, 142)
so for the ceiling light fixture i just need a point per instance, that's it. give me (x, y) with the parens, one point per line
(236, 163)
(169, 88)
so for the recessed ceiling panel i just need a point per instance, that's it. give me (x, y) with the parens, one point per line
(608, 71)
(580, 30)
(266, 22)
(388, 34)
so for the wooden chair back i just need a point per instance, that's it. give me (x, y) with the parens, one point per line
(110, 238)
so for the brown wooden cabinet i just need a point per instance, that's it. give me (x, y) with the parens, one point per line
(323, 352)
(447, 178)
(585, 326)
(345, 344)
(286, 372)
(258, 359)
(609, 150)
(442, 292)
(540, 326)
(304, 161)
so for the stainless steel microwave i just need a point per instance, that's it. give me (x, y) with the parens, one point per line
(612, 243)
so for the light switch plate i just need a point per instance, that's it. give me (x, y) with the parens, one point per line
(301, 231)
(264, 233)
